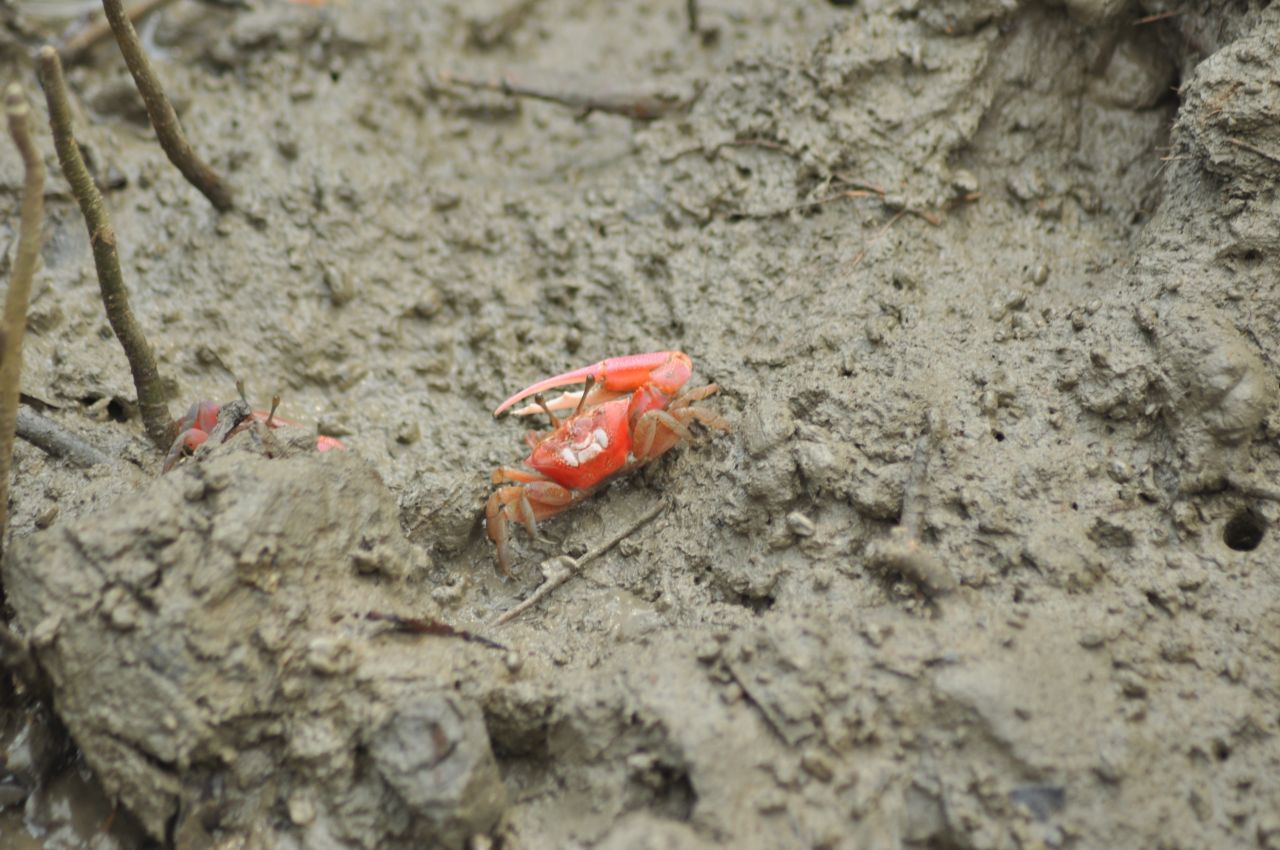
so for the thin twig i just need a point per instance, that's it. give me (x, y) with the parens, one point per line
(557, 571)
(102, 238)
(30, 240)
(641, 106)
(861, 255)
(53, 439)
(714, 151)
(808, 205)
(691, 14)
(1151, 19)
(439, 628)
(163, 118)
(1241, 143)
(75, 48)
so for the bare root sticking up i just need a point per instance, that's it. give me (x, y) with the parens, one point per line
(18, 295)
(102, 238)
(160, 110)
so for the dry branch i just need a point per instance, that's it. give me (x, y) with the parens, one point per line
(581, 95)
(56, 441)
(102, 238)
(557, 571)
(18, 295)
(163, 118)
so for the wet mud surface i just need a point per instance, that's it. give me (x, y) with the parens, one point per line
(987, 560)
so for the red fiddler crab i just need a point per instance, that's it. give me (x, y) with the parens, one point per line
(193, 430)
(631, 411)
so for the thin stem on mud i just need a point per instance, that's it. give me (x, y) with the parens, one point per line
(18, 112)
(557, 571)
(580, 95)
(160, 110)
(52, 439)
(102, 238)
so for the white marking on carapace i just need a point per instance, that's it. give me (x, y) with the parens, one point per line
(586, 449)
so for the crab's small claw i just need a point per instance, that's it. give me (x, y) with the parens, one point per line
(188, 441)
(668, 370)
(202, 415)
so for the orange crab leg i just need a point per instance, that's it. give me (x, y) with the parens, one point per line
(668, 370)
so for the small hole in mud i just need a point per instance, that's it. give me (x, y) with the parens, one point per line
(1244, 531)
(1221, 750)
(999, 435)
(116, 409)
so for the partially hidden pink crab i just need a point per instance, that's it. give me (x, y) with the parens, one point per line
(193, 430)
(631, 411)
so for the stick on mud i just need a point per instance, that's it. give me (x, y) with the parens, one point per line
(419, 626)
(18, 112)
(557, 571)
(579, 94)
(102, 238)
(54, 440)
(163, 118)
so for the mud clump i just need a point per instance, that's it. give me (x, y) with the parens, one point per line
(206, 651)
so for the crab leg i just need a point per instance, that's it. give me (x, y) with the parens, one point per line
(667, 370)
(532, 498)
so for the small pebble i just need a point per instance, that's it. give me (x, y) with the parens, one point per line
(1092, 640)
(448, 594)
(817, 765)
(800, 525)
(965, 182)
(707, 651)
(429, 305)
(301, 810)
(408, 432)
(330, 655)
(341, 289)
(771, 802)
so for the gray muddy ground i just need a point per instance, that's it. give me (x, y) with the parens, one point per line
(987, 560)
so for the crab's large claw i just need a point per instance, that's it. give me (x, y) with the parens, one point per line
(667, 370)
